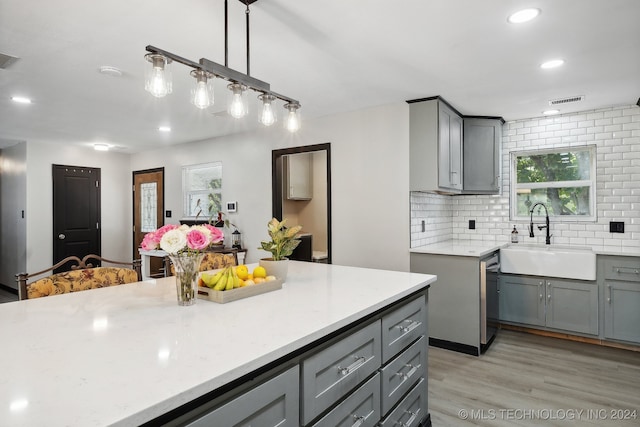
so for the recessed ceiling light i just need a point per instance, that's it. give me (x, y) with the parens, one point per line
(550, 112)
(21, 99)
(523, 15)
(552, 64)
(110, 71)
(164, 129)
(101, 147)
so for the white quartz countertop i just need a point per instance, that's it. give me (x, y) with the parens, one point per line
(126, 354)
(477, 248)
(470, 248)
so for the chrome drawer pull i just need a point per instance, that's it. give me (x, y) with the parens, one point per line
(360, 360)
(410, 420)
(412, 325)
(627, 270)
(412, 370)
(359, 420)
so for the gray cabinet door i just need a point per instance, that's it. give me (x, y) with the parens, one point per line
(449, 148)
(522, 300)
(482, 155)
(273, 403)
(572, 306)
(403, 326)
(622, 311)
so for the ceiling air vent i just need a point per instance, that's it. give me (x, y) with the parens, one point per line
(6, 60)
(567, 100)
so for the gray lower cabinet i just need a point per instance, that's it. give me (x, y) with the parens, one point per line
(399, 375)
(332, 373)
(410, 410)
(273, 403)
(622, 298)
(402, 327)
(361, 408)
(566, 305)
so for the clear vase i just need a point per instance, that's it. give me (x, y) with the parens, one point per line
(187, 267)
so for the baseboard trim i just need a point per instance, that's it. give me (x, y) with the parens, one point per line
(454, 346)
(551, 334)
(8, 289)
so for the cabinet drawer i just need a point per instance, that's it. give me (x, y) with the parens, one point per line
(402, 373)
(361, 409)
(273, 403)
(333, 372)
(411, 410)
(403, 326)
(622, 269)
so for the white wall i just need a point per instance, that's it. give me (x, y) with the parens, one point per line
(13, 228)
(115, 200)
(370, 181)
(616, 133)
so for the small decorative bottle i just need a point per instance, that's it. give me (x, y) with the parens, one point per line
(514, 235)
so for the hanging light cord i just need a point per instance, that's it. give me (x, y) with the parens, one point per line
(247, 14)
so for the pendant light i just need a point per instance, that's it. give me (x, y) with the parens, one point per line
(268, 115)
(202, 91)
(158, 81)
(158, 78)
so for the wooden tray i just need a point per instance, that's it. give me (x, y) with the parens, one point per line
(223, 297)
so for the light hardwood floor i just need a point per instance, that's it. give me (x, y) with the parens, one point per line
(527, 380)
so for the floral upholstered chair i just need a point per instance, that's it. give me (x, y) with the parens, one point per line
(210, 261)
(81, 277)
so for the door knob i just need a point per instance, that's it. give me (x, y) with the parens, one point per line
(61, 236)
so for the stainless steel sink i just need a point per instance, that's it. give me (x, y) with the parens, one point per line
(549, 261)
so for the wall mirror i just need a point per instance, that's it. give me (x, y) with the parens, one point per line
(301, 189)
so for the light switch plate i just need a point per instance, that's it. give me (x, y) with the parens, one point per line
(232, 207)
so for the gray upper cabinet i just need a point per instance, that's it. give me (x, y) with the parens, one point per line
(435, 134)
(299, 174)
(450, 153)
(482, 141)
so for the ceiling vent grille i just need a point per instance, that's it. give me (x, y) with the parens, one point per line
(6, 60)
(570, 99)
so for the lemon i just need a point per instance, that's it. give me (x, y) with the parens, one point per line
(242, 271)
(259, 272)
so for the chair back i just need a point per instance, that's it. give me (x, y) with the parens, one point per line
(82, 276)
(211, 261)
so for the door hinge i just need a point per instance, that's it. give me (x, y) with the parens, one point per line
(97, 184)
(133, 188)
(97, 226)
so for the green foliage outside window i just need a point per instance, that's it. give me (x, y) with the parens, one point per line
(562, 180)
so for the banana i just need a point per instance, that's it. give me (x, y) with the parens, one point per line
(230, 281)
(215, 279)
(222, 283)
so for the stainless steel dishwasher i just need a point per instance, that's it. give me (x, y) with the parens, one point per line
(489, 314)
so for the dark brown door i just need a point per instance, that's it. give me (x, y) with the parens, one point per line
(148, 210)
(76, 212)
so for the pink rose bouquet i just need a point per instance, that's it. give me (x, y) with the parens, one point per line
(176, 239)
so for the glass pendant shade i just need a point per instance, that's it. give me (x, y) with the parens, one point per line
(238, 106)
(158, 77)
(268, 115)
(202, 90)
(292, 124)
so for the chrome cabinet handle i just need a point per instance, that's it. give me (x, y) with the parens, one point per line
(360, 360)
(609, 299)
(410, 420)
(412, 325)
(407, 375)
(621, 270)
(359, 420)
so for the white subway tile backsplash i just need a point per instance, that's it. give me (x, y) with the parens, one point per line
(616, 134)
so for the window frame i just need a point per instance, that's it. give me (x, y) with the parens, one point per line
(591, 183)
(188, 191)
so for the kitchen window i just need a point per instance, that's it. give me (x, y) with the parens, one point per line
(202, 190)
(564, 179)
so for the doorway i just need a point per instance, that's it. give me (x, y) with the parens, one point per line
(312, 210)
(148, 211)
(76, 213)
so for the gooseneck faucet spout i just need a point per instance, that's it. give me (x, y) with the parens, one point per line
(540, 227)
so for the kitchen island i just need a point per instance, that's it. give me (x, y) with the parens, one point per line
(129, 355)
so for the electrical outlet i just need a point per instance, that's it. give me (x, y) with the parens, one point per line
(423, 226)
(167, 214)
(472, 224)
(616, 227)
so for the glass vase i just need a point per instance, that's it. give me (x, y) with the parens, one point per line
(187, 267)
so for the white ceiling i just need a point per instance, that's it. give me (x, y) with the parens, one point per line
(331, 55)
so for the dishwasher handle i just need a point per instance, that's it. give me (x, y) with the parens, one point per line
(494, 268)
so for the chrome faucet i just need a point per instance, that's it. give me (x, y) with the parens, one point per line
(540, 227)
